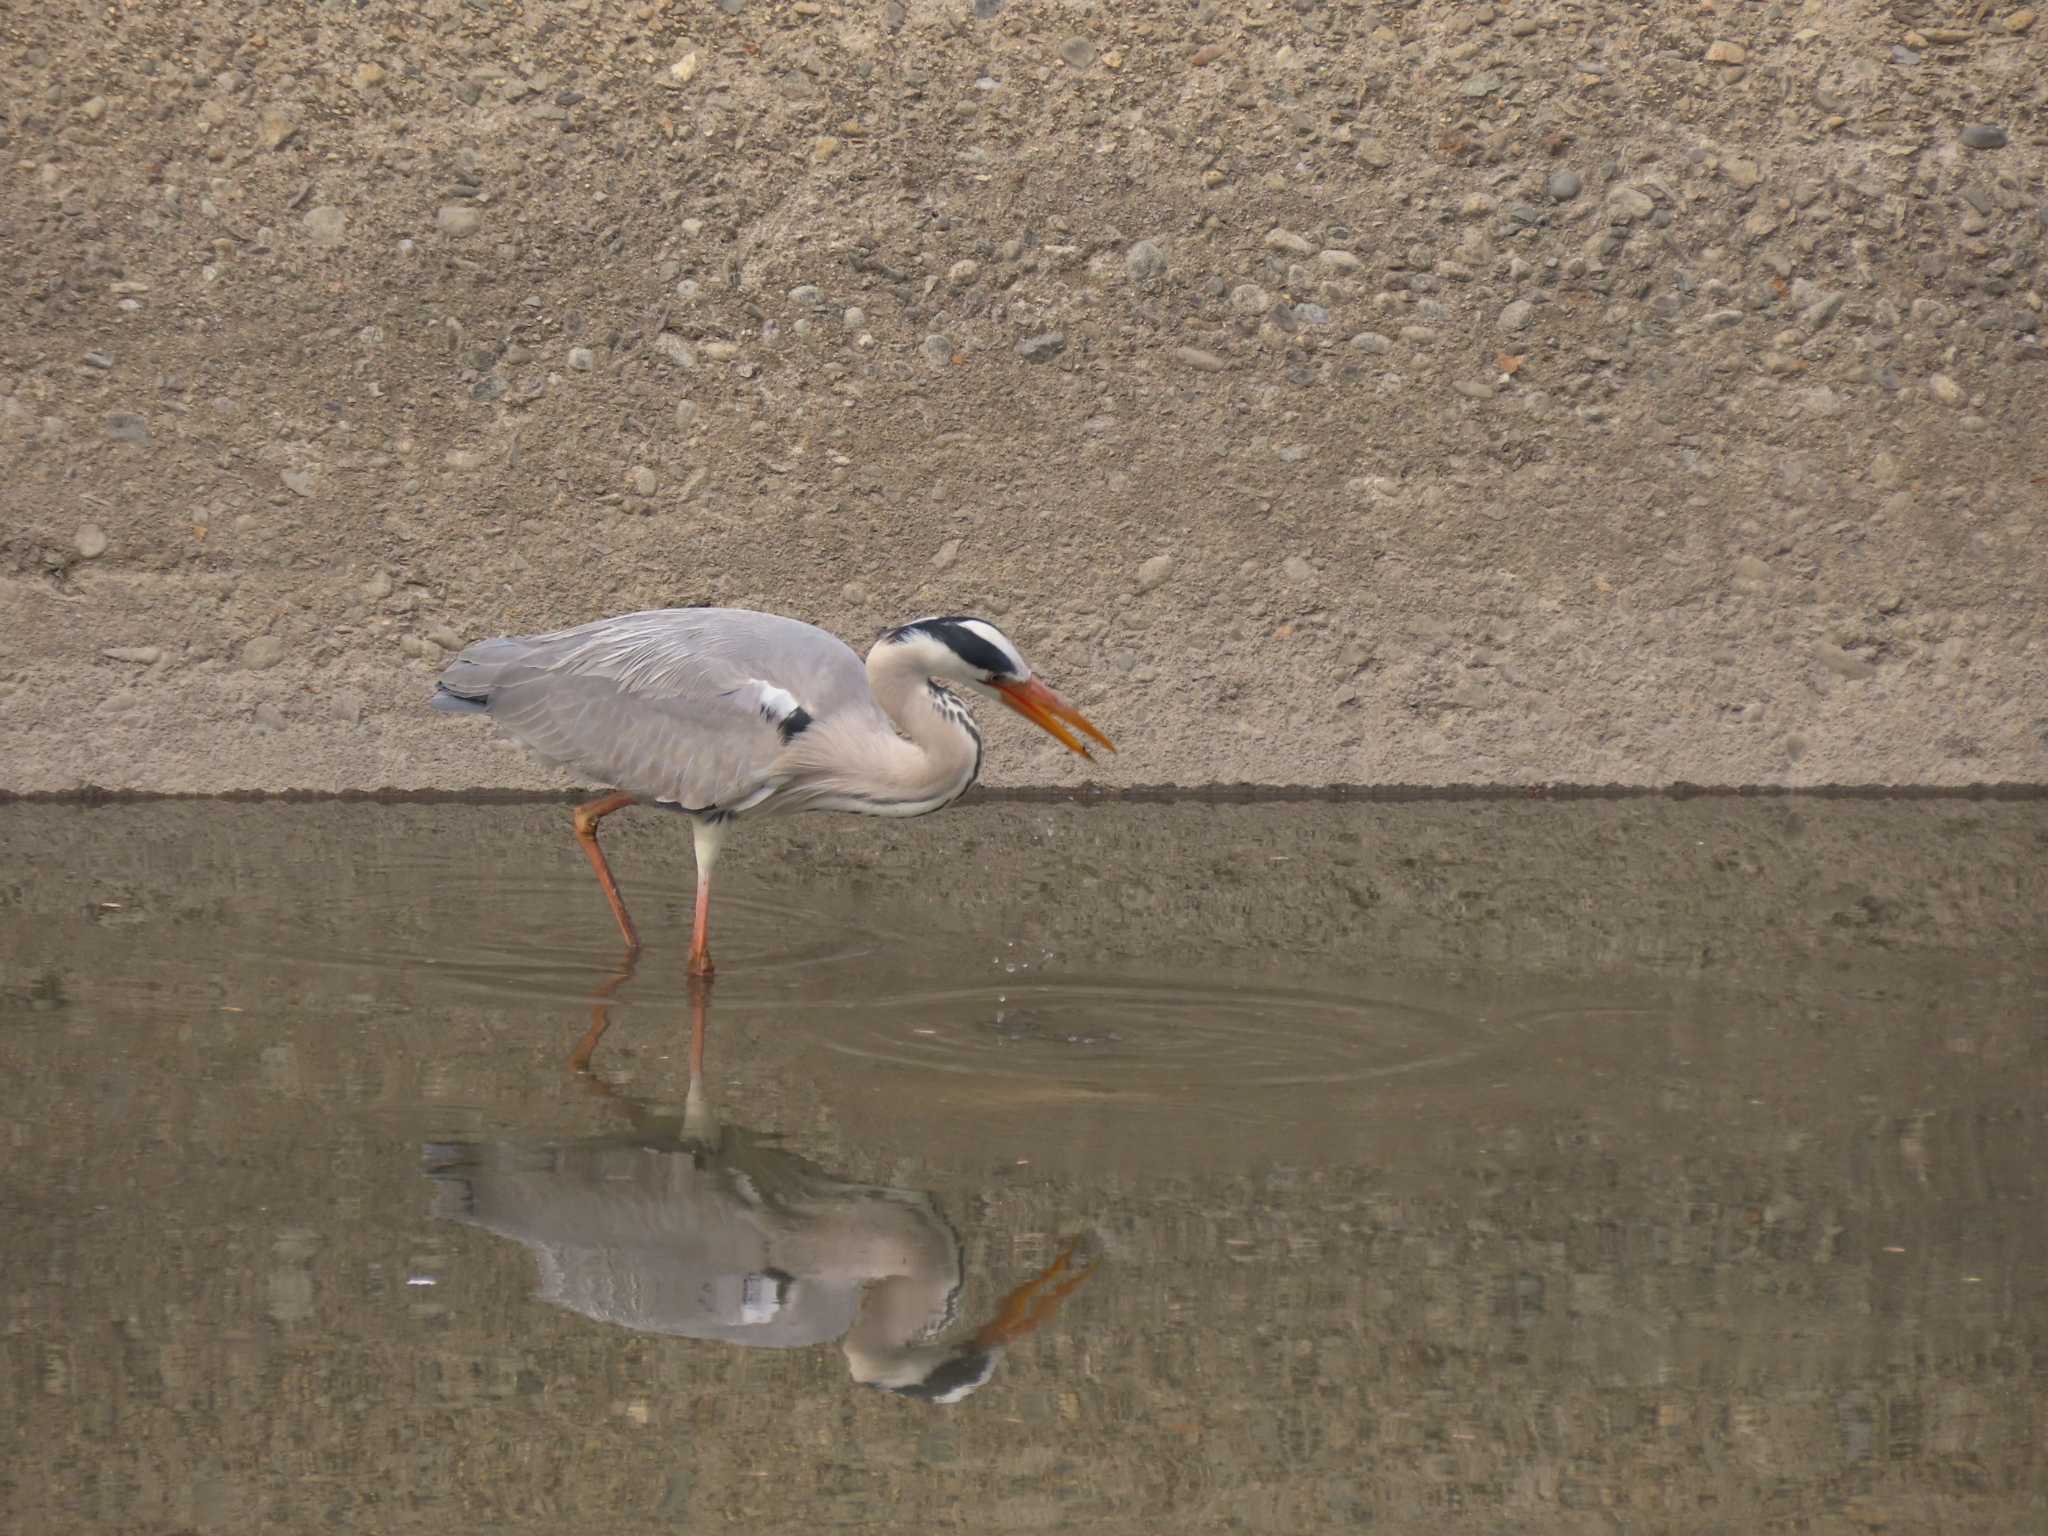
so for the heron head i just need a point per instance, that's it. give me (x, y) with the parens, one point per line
(974, 652)
(931, 1374)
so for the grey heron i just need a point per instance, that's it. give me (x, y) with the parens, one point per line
(723, 712)
(698, 1230)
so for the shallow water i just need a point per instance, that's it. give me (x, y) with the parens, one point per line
(1639, 1165)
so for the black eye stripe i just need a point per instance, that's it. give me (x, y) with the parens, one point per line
(963, 642)
(968, 1369)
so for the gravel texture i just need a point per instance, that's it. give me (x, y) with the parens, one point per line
(1319, 393)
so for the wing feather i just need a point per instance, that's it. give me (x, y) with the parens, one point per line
(678, 705)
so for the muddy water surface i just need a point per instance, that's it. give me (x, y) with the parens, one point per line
(1591, 1166)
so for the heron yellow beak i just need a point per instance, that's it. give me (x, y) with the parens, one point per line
(1035, 1301)
(1046, 710)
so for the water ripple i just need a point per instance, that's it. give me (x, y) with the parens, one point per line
(1114, 1032)
(541, 939)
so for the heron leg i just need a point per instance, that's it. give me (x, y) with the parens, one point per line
(700, 932)
(710, 837)
(588, 816)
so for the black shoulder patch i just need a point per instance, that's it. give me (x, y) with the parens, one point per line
(710, 813)
(794, 724)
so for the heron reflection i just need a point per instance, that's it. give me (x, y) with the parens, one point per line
(683, 1226)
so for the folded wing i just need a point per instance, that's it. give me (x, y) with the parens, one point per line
(689, 707)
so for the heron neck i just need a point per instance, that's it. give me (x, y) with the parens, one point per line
(945, 748)
(910, 1262)
(942, 733)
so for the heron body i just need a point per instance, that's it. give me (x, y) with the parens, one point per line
(724, 712)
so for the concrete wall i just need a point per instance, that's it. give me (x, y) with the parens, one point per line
(1332, 393)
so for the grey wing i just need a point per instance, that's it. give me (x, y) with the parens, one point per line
(683, 706)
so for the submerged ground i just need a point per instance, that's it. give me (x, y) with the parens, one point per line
(1595, 1165)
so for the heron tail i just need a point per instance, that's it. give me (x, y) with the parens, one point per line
(466, 685)
(446, 698)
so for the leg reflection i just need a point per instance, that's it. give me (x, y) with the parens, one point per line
(698, 1123)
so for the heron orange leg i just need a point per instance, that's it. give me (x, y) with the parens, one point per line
(700, 932)
(709, 832)
(587, 817)
(1033, 1302)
